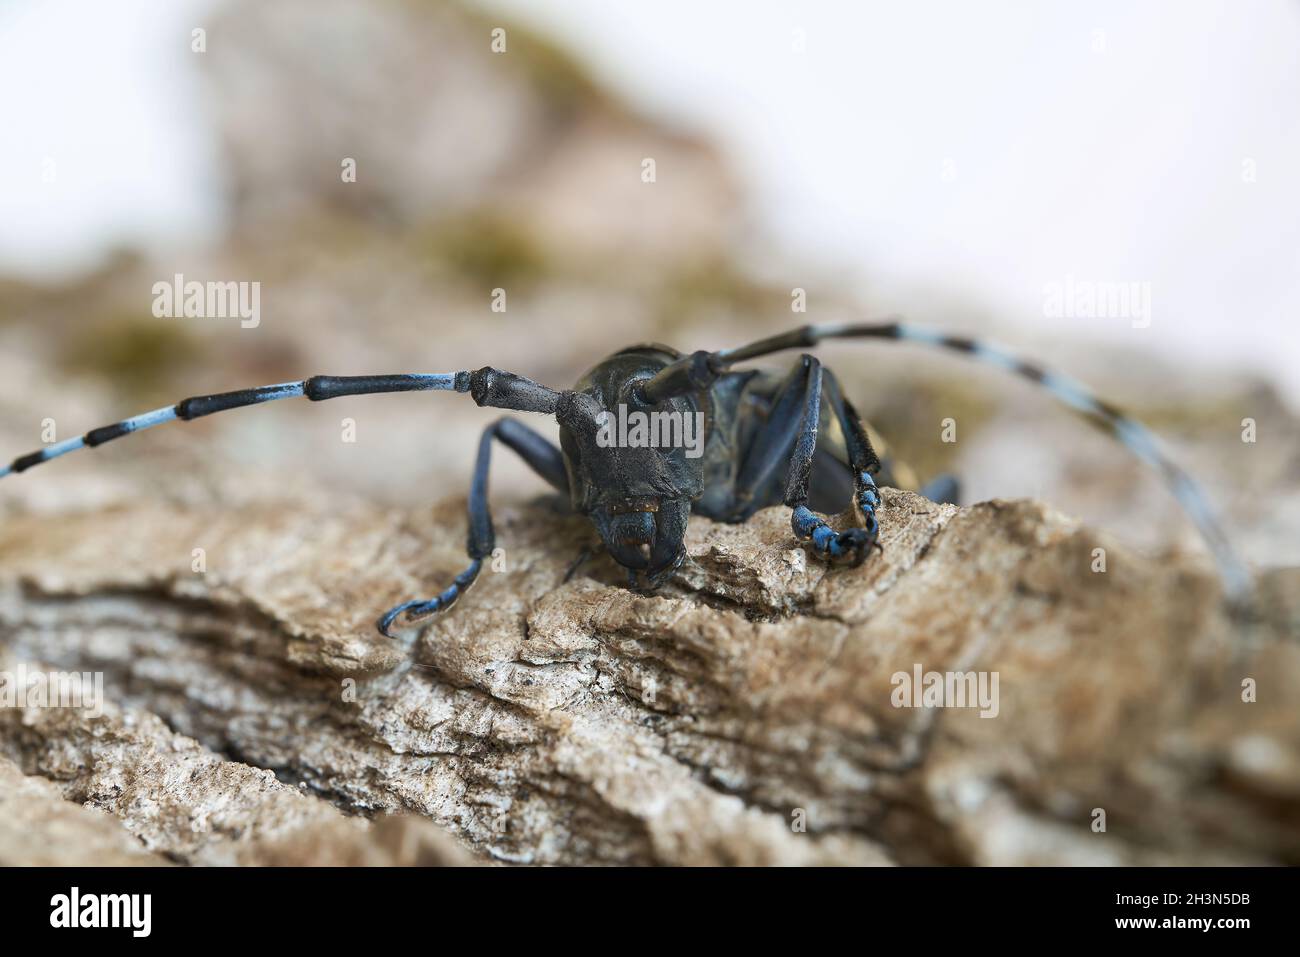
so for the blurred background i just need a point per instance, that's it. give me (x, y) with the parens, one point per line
(946, 161)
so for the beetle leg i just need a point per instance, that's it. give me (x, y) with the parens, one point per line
(772, 446)
(852, 544)
(544, 458)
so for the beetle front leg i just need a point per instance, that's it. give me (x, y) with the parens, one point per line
(544, 459)
(848, 547)
(851, 545)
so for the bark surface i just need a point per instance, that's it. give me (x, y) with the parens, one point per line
(745, 715)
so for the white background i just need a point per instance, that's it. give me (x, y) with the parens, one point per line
(1112, 164)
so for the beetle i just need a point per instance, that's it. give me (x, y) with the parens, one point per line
(767, 440)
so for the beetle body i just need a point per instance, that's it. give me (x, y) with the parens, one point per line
(640, 495)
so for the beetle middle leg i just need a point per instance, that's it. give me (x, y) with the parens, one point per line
(544, 459)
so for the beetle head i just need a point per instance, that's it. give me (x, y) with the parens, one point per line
(634, 468)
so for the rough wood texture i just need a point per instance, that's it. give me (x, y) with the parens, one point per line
(548, 722)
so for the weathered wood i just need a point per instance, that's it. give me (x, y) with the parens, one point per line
(744, 715)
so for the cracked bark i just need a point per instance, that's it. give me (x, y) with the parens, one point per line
(742, 716)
